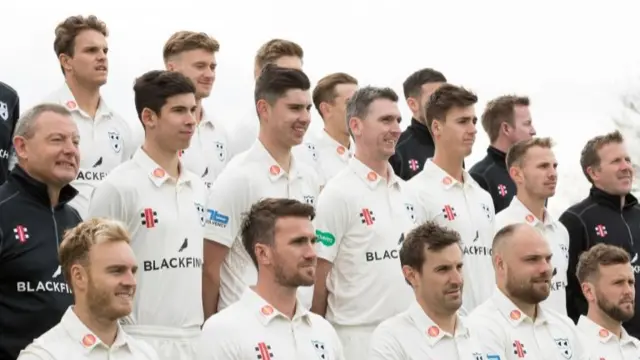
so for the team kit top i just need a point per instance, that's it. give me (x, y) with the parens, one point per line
(165, 217)
(248, 178)
(491, 174)
(9, 113)
(603, 344)
(468, 209)
(72, 340)
(507, 333)
(253, 329)
(360, 223)
(326, 155)
(413, 335)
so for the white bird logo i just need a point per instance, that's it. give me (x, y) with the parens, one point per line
(57, 273)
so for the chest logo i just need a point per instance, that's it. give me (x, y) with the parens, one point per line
(309, 199)
(149, 218)
(21, 233)
(366, 217)
(115, 140)
(564, 347)
(201, 213)
(519, 350)
(221, 151)
(502, 190)
(414, 165)
(321, 351)
(449, 212)
(312, 149)
(264, 351)
(4, 111)
(410, 211)
(487, 211)
(601, 230)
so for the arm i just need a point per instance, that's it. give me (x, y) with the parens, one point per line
(578, 243)
(384, 345)
(214, 254)
(107, 201)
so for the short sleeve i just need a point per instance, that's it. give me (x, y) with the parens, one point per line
(384, 345)
(331, 223)
(488, 335)
(227, 201)
(107, 201)
(216, 342)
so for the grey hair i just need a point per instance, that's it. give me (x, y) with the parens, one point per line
(358, 105)
(26, 123)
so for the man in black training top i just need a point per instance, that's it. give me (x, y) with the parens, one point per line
(9, 112)
(609, 215)
(34, 214)
(507, 120)
(415, 145)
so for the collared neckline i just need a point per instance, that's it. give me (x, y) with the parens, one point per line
(432, 170)
(421, 131)
(612, 201)
(79, 332)
(66, 98)
(594, 330)
(39, 189)
(371, 178)
(432, 332)
(498, 156)
(207, 119)
(343, 152)
(265, 312)
(273, 169)
(528, 217)
(156, 173)
(512, 313)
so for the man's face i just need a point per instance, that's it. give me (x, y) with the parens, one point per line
(539, 172)
(293, 254)
(457, 133)
(336, 113)
(528, 268)
(440, 284)
(174, 126)
(51, 153)
(522, 128)
(425, 94)
(89, 63)
(615, 173)
(111, 280)
(198, 65)
(379, 131)
(288, 118)
(615, 291)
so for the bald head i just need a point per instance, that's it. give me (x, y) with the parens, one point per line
(519, 241)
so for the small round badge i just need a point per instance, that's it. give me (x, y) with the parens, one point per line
(274, 170)
(372, 176)
(88, 340)
(267, 310)
(447, 180)
(341, 150)
(158, 172)
(515, 315)
(603, 333)
(433, 331)
(529, 218)
(71, 105)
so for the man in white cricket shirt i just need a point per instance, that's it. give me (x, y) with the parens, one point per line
(608, 283)
(162, 207)
(532, 167)
(446, 193)
(269, 322)
(193, 54)
(268, 169)
(107, 138)
(279, 52)
(330, 151)
(363, 213)
(100, 266)
(512, 324)
(432, 328)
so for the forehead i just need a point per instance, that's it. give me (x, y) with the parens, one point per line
(197, 55)
(380, 108)
(522, 112)
(616, 271)
(539, 154)
(528, 241)
(294, 226)
(50, 122)
(429, 88)
(112, 252)
(187, 100)
(447, 255)
(296, 96)
(90, 38)
(457, 112)
(612, 150)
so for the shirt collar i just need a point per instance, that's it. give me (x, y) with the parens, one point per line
(343, 153)
(512, 314)
(272, 168)
(265, 312)
(65, 98)
(156, 173)
(446, 180)
(523, 212)
(207, 120)
(370, 177)
(594, 330)
(79, 332)
(431, 330)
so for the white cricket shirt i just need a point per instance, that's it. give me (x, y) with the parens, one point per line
(327, 156)
(360, 223)
(506, 333)
(247, 179)
(413, 335)
(245, 133)
(603, 344)
(467, 209)
(253, 329)
(105, 142)
(165, 218)
(208, 153)
(558, 238)
(72, 340)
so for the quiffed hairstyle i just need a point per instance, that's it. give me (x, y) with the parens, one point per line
(78, 241)
(189, 40)
(325, 90)
(429, 236)
(412, 86)
(67, 31)
(589, 156)
(259, 223)
(446, 98)
(152, 89)
(274, 49)
(274, 82)
(518, 151)
(501, 110)
(590, 261)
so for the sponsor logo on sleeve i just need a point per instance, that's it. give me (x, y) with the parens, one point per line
(218, 219)
(325, 238)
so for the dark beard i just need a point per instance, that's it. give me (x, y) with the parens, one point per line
(614, 311)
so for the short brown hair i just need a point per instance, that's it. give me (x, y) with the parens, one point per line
(78, 241)
(446, 98)
(501, 110)
(325, 90)
(259, 223)
(519, 150)
(67, 31)
(428, 236)
(189, 40)
(274, 49)
(589, 156)
(590, 261)
(412, 86)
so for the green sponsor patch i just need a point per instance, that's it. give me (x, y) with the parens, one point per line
(326, 238)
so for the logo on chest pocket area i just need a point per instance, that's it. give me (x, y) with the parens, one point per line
(221, 150)
(201, 213)
(115, 140)
(411, 211)
(309, 199)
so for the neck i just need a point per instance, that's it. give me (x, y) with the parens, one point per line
(280, 153)
(106, 330)
(450, 163)
(54, 195)
(444, 319)
(416, 117)
(338, 135)
(199, 111)
(531, 310)
(168, 160)
(532, 203)
(87, 97)
(502, 145)
(280, 297)
(604, 320)
(379, 165)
